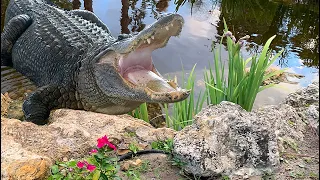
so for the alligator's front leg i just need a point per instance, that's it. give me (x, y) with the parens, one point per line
(87, 15)
(11, 32)
(38, 105)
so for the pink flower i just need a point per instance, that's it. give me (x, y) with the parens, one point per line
(91, 167)
(105, 138)
(112, 146)
(93, 151)
(102, 142)
(105, 141)
(80, 164)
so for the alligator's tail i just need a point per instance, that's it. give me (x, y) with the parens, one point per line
(17, 7)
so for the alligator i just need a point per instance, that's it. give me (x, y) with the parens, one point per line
(76, 63)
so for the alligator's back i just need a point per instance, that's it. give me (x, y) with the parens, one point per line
(55, 41)
(17, 7)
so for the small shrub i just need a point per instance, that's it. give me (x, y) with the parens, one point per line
(184, 111)
(133, 148)
(98, 166)
(166, 145)
(239, 86)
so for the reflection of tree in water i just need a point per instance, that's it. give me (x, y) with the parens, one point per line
(76, 4)
(133, 16)
(88, 5)
(296, 26)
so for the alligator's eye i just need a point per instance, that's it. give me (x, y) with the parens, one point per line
(124, 36)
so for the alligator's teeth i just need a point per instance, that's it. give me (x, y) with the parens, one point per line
(167, 28)
(152, 37)
(171, 24)
(149, 41)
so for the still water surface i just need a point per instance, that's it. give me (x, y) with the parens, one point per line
(295, 24)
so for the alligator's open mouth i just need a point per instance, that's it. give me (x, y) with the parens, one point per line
(136, 66)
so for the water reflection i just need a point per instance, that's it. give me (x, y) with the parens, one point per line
(296, 26)
(134, 12)
(125, 20)
(76, 4)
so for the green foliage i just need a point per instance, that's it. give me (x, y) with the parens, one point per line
(141, 112)
(239, 86)
(225, 177)
(166, 145)
(134, 173)
(177, 162)
(133, 148)
(184, 111)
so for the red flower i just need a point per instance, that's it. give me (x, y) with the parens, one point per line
(91, 167)
(80, 164)
(93, 151)
(112, 146)
(102, 142)
(105, 141)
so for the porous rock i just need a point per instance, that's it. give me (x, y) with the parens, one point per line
(306, 103)
(28, 150)
(225, 139)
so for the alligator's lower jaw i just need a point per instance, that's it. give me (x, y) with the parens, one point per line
(157, 88)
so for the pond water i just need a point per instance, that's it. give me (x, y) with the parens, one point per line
(296, 25)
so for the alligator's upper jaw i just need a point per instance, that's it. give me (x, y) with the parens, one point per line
(135, 62)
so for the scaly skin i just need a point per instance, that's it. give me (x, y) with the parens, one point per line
(76, 63)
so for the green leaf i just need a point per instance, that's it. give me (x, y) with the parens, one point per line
(273, 73)
(57, 176)
(98, 156)
(96, 175)
(63, 165)
(72, 163)
(215, 88)
(54, 169)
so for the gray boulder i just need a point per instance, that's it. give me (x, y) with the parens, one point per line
(225, 139)
(306, 103)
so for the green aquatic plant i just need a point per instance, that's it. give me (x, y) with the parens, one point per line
(141, 112)
(183, 112)
(240, 86)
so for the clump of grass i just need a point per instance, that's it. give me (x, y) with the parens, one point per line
(184, 111)
(141, 112)
(239, 86)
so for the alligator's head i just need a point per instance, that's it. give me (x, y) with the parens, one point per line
(126, 74)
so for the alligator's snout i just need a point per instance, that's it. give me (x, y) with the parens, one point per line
(133, 61)
(156, 35)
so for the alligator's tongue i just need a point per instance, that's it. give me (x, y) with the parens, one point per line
(141, 76)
